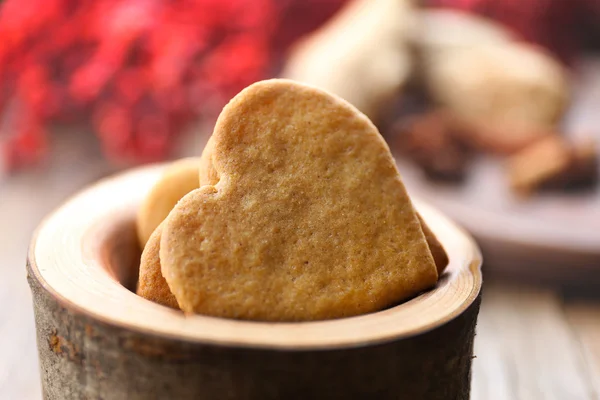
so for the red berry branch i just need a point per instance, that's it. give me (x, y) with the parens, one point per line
(138, 71)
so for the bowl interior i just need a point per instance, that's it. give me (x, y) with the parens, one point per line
(120, 254)
(94, 271)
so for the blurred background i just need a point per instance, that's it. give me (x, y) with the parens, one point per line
(489, 106)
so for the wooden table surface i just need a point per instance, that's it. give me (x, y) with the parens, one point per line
(532, 342)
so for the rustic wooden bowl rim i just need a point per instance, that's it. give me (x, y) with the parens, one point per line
(66, 257)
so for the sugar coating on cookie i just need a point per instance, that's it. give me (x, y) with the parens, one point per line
(309, 219)
(179, 178)
(151, 284)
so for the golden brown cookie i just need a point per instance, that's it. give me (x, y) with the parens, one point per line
(437, 250)
(208, 176)
(151, 284)
(309, 220)
(178, 179)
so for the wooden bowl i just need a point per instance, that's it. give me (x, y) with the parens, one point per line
(99, 340)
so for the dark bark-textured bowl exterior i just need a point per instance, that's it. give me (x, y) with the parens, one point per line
(98, 340)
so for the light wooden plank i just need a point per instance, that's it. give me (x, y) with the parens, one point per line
(585, 322)
(526, 349)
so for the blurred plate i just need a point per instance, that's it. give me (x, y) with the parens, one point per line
(550, 237)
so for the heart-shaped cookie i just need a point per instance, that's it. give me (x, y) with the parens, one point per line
(309, 220)
(179, 178)
(440, 257)
(151, 284)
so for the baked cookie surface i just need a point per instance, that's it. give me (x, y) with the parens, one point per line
(151, 284)
(309, 218)
(179, 178)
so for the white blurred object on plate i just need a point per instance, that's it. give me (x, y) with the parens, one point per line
(362, 54)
